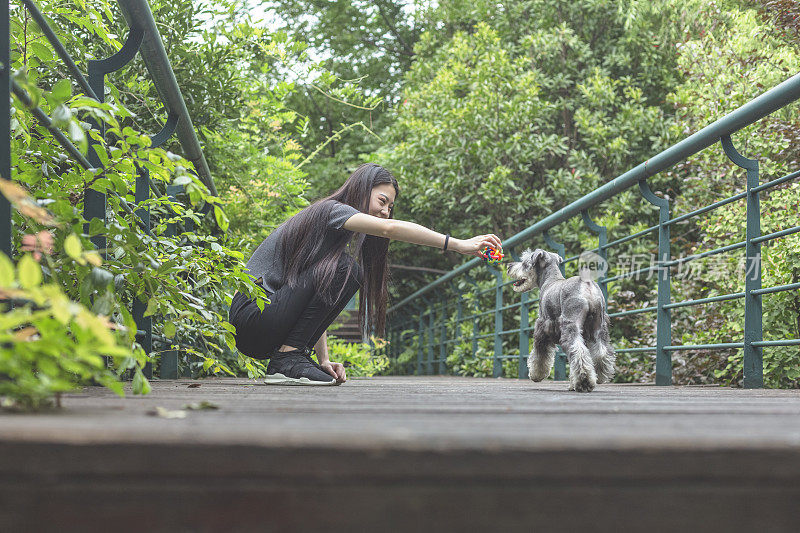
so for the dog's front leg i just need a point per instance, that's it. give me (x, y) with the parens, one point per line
(540, 361)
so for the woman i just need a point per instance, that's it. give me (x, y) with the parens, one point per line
(315, 262)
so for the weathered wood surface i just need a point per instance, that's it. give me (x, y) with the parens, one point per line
(406, 453)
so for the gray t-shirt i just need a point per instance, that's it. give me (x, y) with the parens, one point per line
(267, 262)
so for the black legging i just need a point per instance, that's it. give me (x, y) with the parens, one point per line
(295, 317)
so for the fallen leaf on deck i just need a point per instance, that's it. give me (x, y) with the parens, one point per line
(200, 405)
(166, 413)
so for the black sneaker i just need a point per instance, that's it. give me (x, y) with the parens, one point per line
(296, 367)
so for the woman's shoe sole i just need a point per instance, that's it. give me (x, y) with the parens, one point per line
(280, 379)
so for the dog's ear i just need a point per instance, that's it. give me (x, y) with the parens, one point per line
(537, 255)
(559, 259)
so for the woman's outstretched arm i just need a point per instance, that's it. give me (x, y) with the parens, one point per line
(405, 231)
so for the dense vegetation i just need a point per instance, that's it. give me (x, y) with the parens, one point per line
(491, 116)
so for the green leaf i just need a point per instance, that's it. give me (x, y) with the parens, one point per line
(29, 272)
(140, 383)
(182, 180)
(222, 218)
(100, 277)
(61, 116)
(101, 153)
(78, 136)
(42, 51)
(72, 245)
(62, 90)
(152, 307)
(169, 329)
(6, 271)
(96, 227)
(104, 304)
(230, 340)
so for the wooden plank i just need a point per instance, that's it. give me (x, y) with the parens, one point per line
(425, 453)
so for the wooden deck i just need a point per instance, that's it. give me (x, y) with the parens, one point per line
(406, 453)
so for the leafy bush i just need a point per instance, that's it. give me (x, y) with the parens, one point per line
(361, 359)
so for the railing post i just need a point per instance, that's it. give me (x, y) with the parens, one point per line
(5, 125)
(602, 239)
(560, 366)
(753, 327)
(524, 336)
(431, 337)
(420, 342)
(475, 320)
(443, 334)
(497, 362)
(663, 317)
(143, 323)
(459, 315)
(94, 202)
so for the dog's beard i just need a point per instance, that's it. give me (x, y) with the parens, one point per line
(524, 281)
(522, 285)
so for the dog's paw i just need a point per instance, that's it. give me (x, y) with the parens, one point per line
(538, 376)
(584, 384)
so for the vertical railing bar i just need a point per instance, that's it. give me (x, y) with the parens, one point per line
(560, 364)
(476, 320)
(753, 365)
(420, 342)
(497, 362)
(459, 315)
(5, 126)
(94, 202)
(602, 240)
(663, 313)
(443, 333)
(431, 337)
(143, 323)
(524, 336)
(170, 359)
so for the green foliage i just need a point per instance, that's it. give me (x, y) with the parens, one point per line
(737, 57)
(183, 281)
(370, 44)
(513, 111)
(50, 343)
(360, 359)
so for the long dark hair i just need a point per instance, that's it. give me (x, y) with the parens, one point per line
(304, 235)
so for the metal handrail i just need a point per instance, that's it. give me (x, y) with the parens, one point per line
(145, 39)
(138, 14)
(756, 109)
(435, 332)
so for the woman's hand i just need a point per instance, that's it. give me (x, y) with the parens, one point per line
(334, 369)
(474, 245)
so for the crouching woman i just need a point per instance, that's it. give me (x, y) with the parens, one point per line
(314, 263)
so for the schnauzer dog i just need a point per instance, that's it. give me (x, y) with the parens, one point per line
(572, 314)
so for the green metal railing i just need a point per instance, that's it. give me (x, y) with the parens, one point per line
(143, 38)
(435, 314)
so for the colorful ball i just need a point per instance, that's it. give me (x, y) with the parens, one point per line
(491, 255)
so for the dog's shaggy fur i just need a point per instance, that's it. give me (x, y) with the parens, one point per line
(572, 314)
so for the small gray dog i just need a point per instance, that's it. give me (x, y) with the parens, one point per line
(572, 314)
